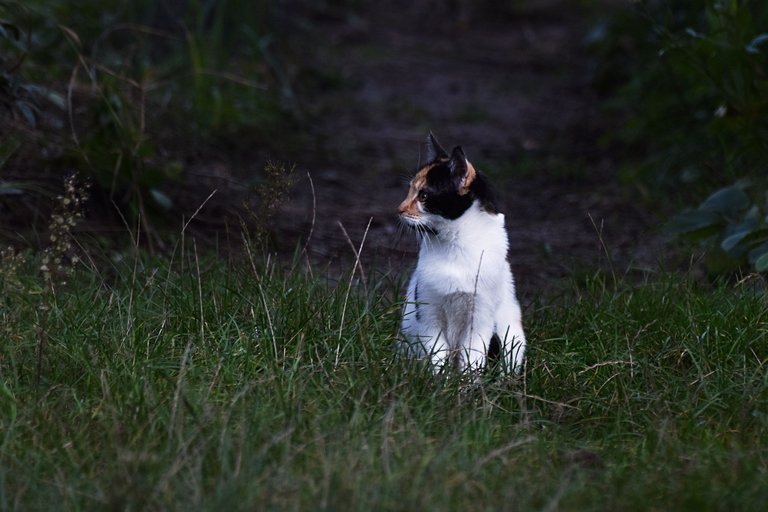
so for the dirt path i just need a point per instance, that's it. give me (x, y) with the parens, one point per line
(512, 90)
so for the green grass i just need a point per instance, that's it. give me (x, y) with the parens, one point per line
(201, 386)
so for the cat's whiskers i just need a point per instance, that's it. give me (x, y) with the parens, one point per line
(413, 226)
(401, 227)
(398, 234)
(424, 237)
(406, 180)
(419, 231)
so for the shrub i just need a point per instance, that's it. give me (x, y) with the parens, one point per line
(694, 92)
(694, 85)
(731, 226)
(139, 84)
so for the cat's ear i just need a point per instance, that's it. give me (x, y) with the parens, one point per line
(433, 151)
(462, 172)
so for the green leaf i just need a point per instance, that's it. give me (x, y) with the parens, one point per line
(27, 110)
(758, 236)
(761, 264)
(732, 241)
(756, 253)
(691, 221)
(753, 214)
(162, 200)
(9, 31)
(55, 98)
(735, 234)
(7, 189)
(753, 45)
(726, 201)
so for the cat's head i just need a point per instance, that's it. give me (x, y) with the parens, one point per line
(444, 188)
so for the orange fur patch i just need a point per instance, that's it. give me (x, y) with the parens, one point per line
(468, 179)
(409, 206)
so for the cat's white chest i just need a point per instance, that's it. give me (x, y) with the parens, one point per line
(471, 254)
(441, 272)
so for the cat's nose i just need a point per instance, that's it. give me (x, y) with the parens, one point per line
(403, 206)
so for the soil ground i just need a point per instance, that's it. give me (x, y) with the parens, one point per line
(513, 90)
(508, 81)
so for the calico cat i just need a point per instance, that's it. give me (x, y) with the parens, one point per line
(461, 309)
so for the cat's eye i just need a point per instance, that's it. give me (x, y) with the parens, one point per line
(422, 195)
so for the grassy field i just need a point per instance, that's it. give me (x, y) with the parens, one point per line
(198, 385)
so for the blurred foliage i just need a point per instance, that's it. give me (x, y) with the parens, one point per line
(691, 80)
(731, 226)
(17, 96)
(132, 80)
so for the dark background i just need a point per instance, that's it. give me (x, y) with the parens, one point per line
(156, 105)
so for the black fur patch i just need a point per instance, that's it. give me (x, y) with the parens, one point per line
(443, 199)
(416, 300)
(494, 350)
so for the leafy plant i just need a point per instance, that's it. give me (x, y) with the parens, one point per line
(143, 87)
(116, 145)
(732, 227)
(694, 96)
(694, 91)
(16, 95)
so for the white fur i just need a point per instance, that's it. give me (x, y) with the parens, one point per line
(468, 256)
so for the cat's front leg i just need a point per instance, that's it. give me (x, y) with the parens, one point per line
(509, 328)
(513, 347)
(424, 341)
(439, 352)
(423, 336)
(433, 346)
